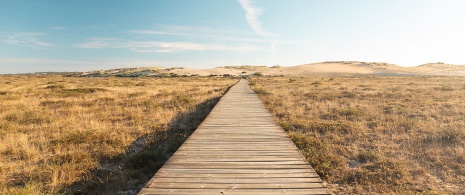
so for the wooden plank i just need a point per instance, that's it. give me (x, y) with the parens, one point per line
(157, 179)
(247, 154)
(239, 166)
(266, 163)
(236, 175)
(232, 151)
(244, 145)
(233, 191)
(239, 159)
(238, 149)
(236, 186)
(218, 170)
(249, 140)
(201, 151)
(277, 139)
(240, 134)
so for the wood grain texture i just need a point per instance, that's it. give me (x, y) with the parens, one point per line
(238, 149)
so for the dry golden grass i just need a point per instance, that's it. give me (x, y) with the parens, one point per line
(95, 135)
(381, 135)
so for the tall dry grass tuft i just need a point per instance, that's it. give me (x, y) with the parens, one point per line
(402, 135)
(87, 135)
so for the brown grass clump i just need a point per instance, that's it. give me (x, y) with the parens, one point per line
(95, 135)
(402, 135)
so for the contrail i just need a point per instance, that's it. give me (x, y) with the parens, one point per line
(252, 14)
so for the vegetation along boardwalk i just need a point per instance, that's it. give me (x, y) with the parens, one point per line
(238, 149)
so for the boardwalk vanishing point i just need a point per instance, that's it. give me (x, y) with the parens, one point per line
(238, 149)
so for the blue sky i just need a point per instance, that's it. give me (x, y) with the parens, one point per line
(56, 35)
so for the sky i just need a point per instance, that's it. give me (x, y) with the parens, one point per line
(57, 35)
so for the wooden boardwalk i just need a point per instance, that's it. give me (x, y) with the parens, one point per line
(238, 149)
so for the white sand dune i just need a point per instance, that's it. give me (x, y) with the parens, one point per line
(339, 68)
(333, 69)
(439, 69)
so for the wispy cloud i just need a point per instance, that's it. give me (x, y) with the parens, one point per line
(273, 47)
(155, 32)
(100, 26)
(29, 39)
(16, 65)
(274, 51)
(169, 47)
(164, 47)
(98, 43)
(122, 62)
(225, 34)
(59, 28)
(252, 14)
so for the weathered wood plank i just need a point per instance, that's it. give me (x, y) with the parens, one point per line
(215, 149)
(234, 153)
(232, 164)
(244, 171)
(236, 158)
(234, 191)
(238, 149)
(230, 160)
(235, 175)
(239, 145)
(236, 186)
(158, 179)
(239, 166)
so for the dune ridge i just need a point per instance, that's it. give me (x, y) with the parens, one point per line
(331, 68)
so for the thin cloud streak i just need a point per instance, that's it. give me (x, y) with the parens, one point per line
(163, 47)
(252, 14)
(153, 32)
(210, 34)
(28, 39)
(274, 51)
(16, 61)
(273, 46)
(99, 43)
(59, 28)
(10, 65)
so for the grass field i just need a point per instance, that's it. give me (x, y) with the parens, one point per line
(95, 135)
(401, 135)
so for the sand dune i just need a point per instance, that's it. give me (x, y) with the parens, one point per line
(338, 68)
(335, 69)
(439, 69)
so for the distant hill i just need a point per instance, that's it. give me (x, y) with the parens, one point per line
(333, 68)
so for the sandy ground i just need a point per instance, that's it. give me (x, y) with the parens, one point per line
(332, 69)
